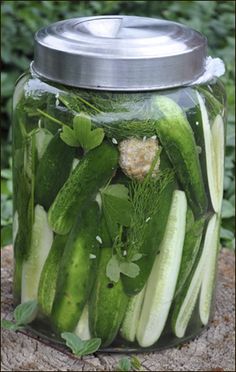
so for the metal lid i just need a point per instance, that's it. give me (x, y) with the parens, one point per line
(123, 53)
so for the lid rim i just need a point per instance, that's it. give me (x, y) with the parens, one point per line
(102, 66)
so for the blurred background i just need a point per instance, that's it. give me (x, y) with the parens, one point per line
(20, 20)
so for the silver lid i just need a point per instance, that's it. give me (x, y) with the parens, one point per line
(122, 53)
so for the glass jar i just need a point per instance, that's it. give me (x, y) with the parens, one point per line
(118, 182)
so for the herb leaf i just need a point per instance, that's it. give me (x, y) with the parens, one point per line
(116, 266)
(82, 134)
(129, 269)
(80, 347)
(69, 138)
(88, 138)
(25, 313)
(136, 257)
(116, 207)
(113, 269)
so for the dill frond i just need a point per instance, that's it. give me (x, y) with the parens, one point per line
(145, 197)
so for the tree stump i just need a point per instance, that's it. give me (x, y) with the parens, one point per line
(214, 350)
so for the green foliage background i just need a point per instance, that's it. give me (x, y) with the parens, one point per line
(20, 20)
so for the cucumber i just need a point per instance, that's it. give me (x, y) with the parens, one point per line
(52, 171)
(177, 138)
(186, 301)
(92, 172)
(129, 325)
(41, 242)
(48, 278)
(77, 271)
(154, 234)
(192, 241)
(82, 328)
(107, 304)
(162, 281)
(209, 268)
(213, 152)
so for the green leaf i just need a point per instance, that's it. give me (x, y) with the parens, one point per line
(7, 324)
(25, 313)
(72, 341)
(228, 210)
(116, 207)
(136, 257)
(68, 137)
(89, 347)
(6, 235)
(82, 134)
(113, 269)
(124, 364)
(129, 269)
(80, 347)
(89, 139)
(226, 234)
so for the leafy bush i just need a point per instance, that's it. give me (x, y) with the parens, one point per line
(20, 20)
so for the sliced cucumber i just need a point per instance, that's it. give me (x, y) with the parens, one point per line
(183, 310)
(41, 241)
(209, 268)
(217, 131)
(15, 226)
(214, 149)
(162, 281)
(186, 302)
(129, 325)
(82, 329)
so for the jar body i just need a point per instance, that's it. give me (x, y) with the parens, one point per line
(117, 201)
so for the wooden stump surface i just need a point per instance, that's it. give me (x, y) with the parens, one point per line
(214, 350)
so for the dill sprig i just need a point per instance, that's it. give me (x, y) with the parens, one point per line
(145, 197)
(119, 117)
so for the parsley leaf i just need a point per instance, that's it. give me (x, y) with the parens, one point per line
(113, 269)
(129, 269)
(117, 265)
(80, 347)
(68, 136)
(82, 133)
